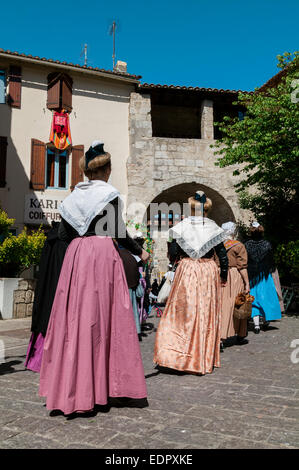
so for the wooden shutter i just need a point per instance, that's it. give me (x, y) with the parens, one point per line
(77, 173)
(3, 153)
(53, 99)
(66, 92)
(59, 91)
(15, 85)
(38, 163)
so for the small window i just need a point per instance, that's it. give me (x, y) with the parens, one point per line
(162, 220)
(176, 115)
(2, 87)
(57, 169)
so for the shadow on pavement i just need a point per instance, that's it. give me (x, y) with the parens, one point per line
(166, 370)
(7, 367)
(121, 402)
(148, 376)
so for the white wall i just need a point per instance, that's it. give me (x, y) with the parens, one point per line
(100, 111)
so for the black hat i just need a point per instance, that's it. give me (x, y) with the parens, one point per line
(96, 149)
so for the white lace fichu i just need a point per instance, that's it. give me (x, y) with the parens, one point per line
(196, 238)
(86, 201)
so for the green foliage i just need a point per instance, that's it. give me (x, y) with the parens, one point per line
(242, 231)
(263, 150)
(5, 223)
(20, 252)
(287, 260)
(148, 241)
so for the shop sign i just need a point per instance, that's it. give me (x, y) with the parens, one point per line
(41, 209)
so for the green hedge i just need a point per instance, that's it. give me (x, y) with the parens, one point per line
(287, 261)
(18, 252)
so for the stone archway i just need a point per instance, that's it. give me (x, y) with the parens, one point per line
(221, 212)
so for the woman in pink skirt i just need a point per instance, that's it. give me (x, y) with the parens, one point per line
(91, 350)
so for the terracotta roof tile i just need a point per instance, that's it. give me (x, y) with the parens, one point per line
(70, 64)
(273, 81)
(190, 88)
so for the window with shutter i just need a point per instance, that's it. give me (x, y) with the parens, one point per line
(15, 85)
(3, 153)
(66, 93)
(38, 159)
(59, 91)
(53, 98)
(57, 169)
(77, 173)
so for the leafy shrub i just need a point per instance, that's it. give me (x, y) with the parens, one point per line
(287, 260)
(18, 252)
(263, 149)
(5, 223)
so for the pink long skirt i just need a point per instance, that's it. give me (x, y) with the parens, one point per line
(91, 350)
(188, 336)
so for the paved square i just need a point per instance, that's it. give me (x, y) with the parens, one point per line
(250, 402)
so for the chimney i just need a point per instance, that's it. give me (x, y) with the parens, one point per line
(121, 66)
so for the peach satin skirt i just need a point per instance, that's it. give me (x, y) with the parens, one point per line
(231, 326)
(188, 336)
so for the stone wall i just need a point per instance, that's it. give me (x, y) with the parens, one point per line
(157, 164)
(23, 298)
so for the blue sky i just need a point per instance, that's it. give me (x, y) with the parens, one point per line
(229, 44)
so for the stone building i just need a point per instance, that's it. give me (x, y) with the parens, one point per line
(159, 138)
(171, 131)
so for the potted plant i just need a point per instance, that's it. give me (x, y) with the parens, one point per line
(17, 253)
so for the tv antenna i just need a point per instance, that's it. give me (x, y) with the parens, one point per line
(112, 31)
(84, 52)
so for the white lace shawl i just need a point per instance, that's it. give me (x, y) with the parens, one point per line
(86, 201)
(195, 237)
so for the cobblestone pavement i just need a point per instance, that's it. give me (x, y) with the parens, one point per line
(251, 402)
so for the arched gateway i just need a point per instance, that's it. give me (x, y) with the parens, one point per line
(171, 132)
(166, 209)
(221, 211)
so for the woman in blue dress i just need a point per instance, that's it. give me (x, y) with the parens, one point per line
(262, 287)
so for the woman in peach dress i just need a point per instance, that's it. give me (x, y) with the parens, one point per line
(188, 336)
(237, 282)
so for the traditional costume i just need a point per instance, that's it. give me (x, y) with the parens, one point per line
(91, 350)
(142, 297)
(260, 268)
(236, 282)
(132, 275)
(51, 260)
(188, 336)
(141, 308)
(146, 302)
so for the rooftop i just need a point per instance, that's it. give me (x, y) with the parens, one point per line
(273, 81)
(82, 68)
(153, 86)
(130, 77)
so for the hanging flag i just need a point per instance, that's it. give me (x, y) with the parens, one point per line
(60, 134)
